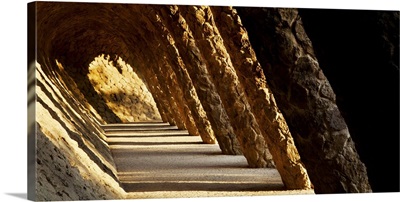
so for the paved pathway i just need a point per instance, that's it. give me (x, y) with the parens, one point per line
(156, 159)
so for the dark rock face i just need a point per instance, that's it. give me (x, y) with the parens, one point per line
(306, 100)
(359, 54)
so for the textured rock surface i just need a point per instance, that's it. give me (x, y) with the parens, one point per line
(306, 99)
(364, 49)
(72, 159)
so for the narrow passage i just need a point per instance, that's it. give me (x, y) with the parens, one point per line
(155, 159)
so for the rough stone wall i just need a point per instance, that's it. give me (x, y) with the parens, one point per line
(362, 65)
(73, 161)
(306, 99)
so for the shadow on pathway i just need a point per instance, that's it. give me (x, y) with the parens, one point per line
(157, 160)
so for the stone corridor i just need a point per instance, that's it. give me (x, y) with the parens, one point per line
(236, 98)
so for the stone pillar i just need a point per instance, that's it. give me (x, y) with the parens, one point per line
(166, 93)
(161, 67)
(159, 97)
(199, 115)
(151, 86)
(176, 93)
(200, 77)
(182, 78)
(306, 99)
(271, 121)
(205, 32)
(143, 66)
(148, 67)
(161, 108)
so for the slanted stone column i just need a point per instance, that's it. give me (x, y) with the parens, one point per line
(159, 97)
(151, 86)
(306, 99)
(144, 66)
(200, 77)
(180, 75)
(163, 110)
(271, 121)
(217, 60)
(162, 69)
(167, 94)
(200, 117)
(176, 93)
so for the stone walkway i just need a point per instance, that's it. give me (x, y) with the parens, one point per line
(156, 160)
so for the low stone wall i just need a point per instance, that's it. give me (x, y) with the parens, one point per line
(73, 161)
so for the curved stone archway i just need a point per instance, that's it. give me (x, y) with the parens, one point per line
(194, 67)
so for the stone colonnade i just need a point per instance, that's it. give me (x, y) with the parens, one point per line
(205, 77)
